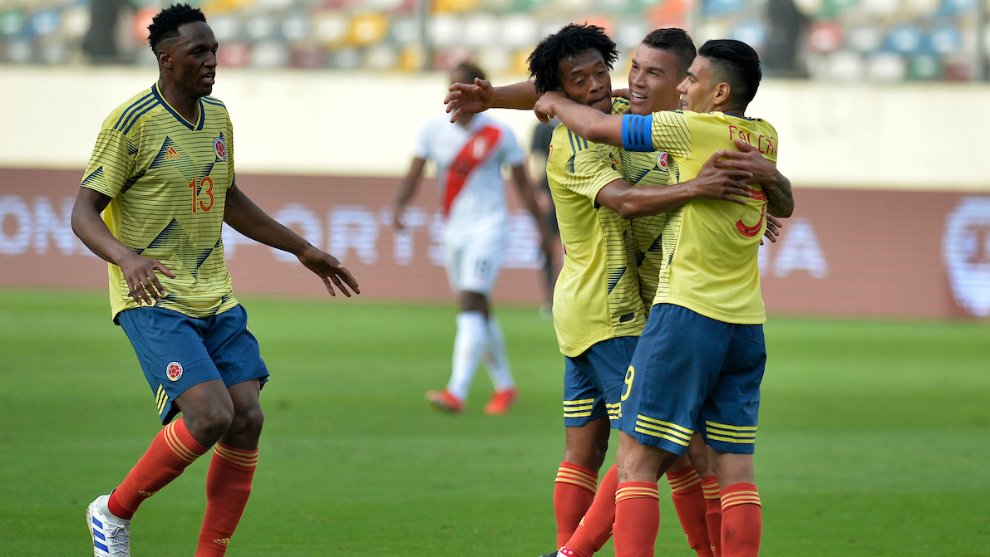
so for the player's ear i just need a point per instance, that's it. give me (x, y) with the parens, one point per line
(164, 58)
(722, 93)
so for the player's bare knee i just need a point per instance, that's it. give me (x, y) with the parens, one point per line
(208, 424)
(248, 423)
(697, 453)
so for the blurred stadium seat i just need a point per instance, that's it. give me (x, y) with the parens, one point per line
(881, 40)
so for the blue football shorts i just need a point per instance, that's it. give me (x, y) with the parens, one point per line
(177, 351)
(593, 381)
(693, 373)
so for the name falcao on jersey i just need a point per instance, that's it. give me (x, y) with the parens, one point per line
(766, 144)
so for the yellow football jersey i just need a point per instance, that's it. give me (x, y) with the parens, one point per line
(710, 247)
(167, 179)
(656, 168)
(597, 292)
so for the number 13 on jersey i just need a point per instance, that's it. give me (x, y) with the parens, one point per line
(197, 190)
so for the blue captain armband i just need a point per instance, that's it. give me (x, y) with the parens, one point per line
(637, 133)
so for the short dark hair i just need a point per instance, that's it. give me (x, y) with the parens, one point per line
(571, 40)
(739, 65)
(166, 24)
(472, 70)
(677, 42)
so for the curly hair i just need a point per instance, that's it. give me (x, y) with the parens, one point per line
(571, 40)
(738, 65)
(166, 24)
(675, 41)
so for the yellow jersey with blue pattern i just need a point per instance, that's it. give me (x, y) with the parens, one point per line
(710, 246)
(167, 181)
(655, 168)
(596, 297)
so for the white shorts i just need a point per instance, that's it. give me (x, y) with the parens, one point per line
(473, 264)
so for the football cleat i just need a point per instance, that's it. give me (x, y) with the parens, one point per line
(502, 401)
(111, 536)
(444, 401)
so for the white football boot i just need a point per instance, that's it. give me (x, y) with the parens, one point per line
(111, 535)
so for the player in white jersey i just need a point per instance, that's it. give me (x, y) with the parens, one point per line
(469, 157)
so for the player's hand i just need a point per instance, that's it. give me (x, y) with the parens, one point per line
(142, 283)
(544, 108)
(469, 98)
(727, 184)
(330, 270)
(397, 224)
(749, 158)
(773, 229)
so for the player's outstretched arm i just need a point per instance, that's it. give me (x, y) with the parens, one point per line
(780, 197)
(585, 121)
(472, 98)
(725, 184)
(139, 272)
(244, 216)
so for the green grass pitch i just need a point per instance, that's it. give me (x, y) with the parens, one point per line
(874, 437)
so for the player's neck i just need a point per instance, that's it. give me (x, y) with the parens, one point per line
(186, 103)
(726, 108)
(465, 120)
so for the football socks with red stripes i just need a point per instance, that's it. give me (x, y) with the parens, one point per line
(170, 452)
(596, 527)
(637, 519)
(713, 514)
(742, 521)
(228, 486)
(689, 502)
(573, 492)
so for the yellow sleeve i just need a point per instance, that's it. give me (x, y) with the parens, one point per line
(111, 164)
(671, 133)
(578, 165)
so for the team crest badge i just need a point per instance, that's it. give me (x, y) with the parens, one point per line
(220, 148)
(173, 371)
(662, 161)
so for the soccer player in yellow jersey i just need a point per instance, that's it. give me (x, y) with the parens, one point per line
(702, 355)
(576, 57)
(658, 66)
(162, 174)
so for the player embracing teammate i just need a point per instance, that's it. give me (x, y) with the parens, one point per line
(700, 361)
(658, 66)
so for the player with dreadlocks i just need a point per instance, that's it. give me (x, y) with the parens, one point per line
(162, 174)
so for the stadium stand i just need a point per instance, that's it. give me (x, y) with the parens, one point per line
(844, 40)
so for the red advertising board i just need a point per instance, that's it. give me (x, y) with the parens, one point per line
(844, 252)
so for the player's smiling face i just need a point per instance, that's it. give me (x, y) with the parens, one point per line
(584, 78)
(193, 57)
(699, 88)
(653, 81)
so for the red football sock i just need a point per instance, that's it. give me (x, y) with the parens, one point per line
(713, 516)
(573, 492)
(689, 502)
(742, 522)
(171, 451)
(228, 486)
(596, 527)
(637, 519)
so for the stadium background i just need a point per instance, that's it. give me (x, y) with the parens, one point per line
(873, 432)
